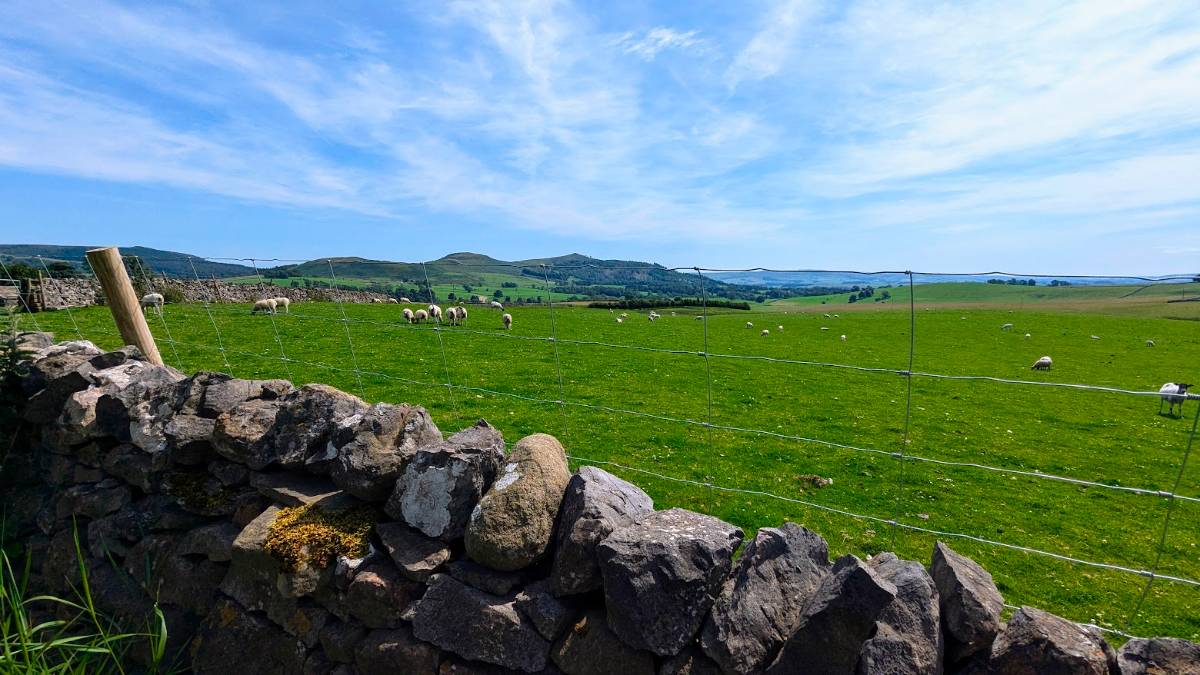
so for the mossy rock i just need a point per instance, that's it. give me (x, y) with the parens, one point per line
(310, 536)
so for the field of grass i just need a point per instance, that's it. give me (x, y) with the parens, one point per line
(1104, 437)
(526, 288)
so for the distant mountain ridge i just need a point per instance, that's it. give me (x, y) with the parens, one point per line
(847, 279)
(170, 263)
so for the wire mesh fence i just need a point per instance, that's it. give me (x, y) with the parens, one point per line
(721, 426)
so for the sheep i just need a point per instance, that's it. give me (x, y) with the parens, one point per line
(1044, 363)
(1149, 343)
(405, 301)
(826, 316)
(267, 306)
(154, 300)
(1007, 326)
(393, 301)
(843, 338)
(435, 313)
(496, 305)
(507, 319)
(420, 316)
(779, 328)
(699, 317)
(837, 316)
(408, 314)
(824, 327)
(749, 324)
(1172, 394)
(462, 315)
(620, 319)
(376, 301)
(482, 299)
(1094, 337)
(456, 315)
(285, 303)
(1027, 336)
(765, 332)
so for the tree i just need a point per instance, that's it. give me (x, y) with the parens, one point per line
(498, 294)
(853, 298)
(451, 296)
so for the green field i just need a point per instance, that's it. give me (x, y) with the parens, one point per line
(1110, 438)
(527, 289)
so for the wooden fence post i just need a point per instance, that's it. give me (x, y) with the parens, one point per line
(123, 301)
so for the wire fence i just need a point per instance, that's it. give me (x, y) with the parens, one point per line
(904, 456)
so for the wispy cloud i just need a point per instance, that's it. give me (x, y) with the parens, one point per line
(769, 50)
(648, 44)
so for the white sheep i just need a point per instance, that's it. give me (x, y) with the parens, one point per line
(1044, 363)
(620, 319)
(843, 338)
(1027, 336)
(837, 316)
(765, 332)
(405, 301)
(1094, 337)
(393, 301)
(1007, 326)
(1172, 394)
(456, 315)
(779, 328)
(1149, 343)
(749, 324)
(507, 319)
(824, 327)
(699, 317)
(154, 300)
(435, 313)
(462, 315)
(420, 316)
(376, 301)
(266, 306)
(827, 316)
(495, 304)
(408, 314)
(285, 303)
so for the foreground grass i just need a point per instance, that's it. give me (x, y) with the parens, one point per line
(1109, 438)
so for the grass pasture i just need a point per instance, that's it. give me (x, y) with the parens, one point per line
(1103, 437)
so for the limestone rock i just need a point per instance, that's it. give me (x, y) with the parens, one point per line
(690, 661)
(836, 621)
(293, 489)
(221, 646)
(394, 651)
(305, 424)
(549, 614)
(596, 503)
(478, 626)
(244, 434)
(661, 576)
(373, 447)
(909, 636)
(378, 595)
(761, 603)
(416, 555)
(442, 484)
(512, 525)
(1036, 642)
(340, 638)
(590, 648)
(484, 578)
(969, 601)
(213, 541)
(1159, 656)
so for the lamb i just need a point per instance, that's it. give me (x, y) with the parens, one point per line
(285, 303)
(1172, 394)
(435, 313)
(1044, 363)
(154, 300)
(507, 319)
(408, 314)
(420, 316)
(266, 306)
(496, 305)
(1149, 343)
(765, 332)
(1007, 326)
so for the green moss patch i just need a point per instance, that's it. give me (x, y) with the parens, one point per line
(309, 536)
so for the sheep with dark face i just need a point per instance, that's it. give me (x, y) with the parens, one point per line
(154, 300)
(1044, 363)
(1172, 394)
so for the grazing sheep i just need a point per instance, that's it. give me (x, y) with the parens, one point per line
(393, 301)
(837, 316)
(699, 317)
(507, 319)
(1094, 337)
(376, 301)
(285, 303)
(624, 315)
(843, 338)
(620, 319)
(154, 300)
(496, 305)
(1149, 343)
(749, 325)
(824, 327)
(456, 315)
(1044, 363)
(462, 315)
(779, 328)
(765, 332)
(405, 301)
(435, 313)
(266, 306)
(1007, 326)
(408, 314)
(1172, 394)
(827, 316)
(1027, 336)
(420, 316)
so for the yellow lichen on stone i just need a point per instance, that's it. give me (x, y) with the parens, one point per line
(309, 536)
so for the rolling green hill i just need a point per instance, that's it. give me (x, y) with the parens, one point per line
(170, 263)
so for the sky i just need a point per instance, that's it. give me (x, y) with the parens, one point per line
(939, 136)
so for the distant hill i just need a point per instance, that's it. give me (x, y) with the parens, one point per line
(848, 279)
(169, 263)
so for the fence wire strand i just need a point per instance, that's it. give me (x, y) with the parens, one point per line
(437, 330)
(211, 320)
(908, 396)
(21, 296)
(271, 315)
(346, 325)
(562, 396)
(146, 276)
(70, 314)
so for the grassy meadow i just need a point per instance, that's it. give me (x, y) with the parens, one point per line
(1096, 436)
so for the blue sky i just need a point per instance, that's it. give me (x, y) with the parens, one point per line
(880, 134)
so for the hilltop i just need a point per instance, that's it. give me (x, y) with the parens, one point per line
(170, 263)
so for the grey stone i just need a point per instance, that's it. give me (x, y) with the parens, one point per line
(909, 635)
(549, 614)
(394, 651)
(378, 595)
(293, 489)
(441, 484)
(969, 601)
(136, 467)
(305, 423)
(417, 556)
(1036, 642)
(836, 621)
(302, 619)
(690, 661)
(92, 500)
(661, 576)
(484, 578)
(596, 503)
(223, 395)
(478, 626)
(1159, 656)
(371, 448)
(340, 638)
(228, 473)
(189, 439)
(214, 541)
(221, 646)
(137, 404)
(590, 648)
(50, 380)
(244, 434)
(511, 526)
(760, 605)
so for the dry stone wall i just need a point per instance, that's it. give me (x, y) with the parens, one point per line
(290, 529)
(85, 292)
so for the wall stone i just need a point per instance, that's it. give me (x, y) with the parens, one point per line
(262, 561)
(85, 292)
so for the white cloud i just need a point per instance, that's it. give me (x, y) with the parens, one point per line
(649, 44)
(770, 48)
